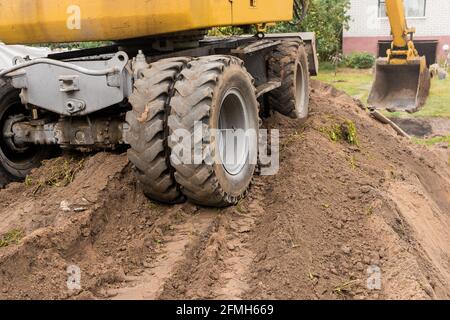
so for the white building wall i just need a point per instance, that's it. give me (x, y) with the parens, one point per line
(366, 23)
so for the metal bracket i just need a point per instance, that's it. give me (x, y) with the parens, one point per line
(72, 88)
(254, 47)
(267, 87)
(69, 83)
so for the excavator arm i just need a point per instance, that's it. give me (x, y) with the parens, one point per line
(402, 48)
(402, 80)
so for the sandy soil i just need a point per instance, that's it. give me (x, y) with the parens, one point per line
(334, 212)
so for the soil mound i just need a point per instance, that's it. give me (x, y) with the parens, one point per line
(353, 203)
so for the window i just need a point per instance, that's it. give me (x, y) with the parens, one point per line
(413, 8)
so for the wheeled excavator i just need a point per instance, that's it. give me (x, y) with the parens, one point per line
(402, 79)
(159, 75)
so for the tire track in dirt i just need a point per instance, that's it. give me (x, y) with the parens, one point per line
(149, 285)
(235, 277)
(236, 274)
(218, 264)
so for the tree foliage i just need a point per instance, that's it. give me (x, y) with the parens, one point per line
(328, 19)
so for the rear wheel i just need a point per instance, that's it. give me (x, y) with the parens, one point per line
(215, 105)
(16, 161)
(289, 63)
(148, 130)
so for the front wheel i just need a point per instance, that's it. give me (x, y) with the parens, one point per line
(16, 161)
(214, 130)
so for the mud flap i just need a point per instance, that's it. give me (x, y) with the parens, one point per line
(400, 87)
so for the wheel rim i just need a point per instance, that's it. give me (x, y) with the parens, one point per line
(11, 106)
(233, 124)
(300, 91)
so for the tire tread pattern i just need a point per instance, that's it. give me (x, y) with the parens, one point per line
(192, 103)
(148, 130)
(282, 65)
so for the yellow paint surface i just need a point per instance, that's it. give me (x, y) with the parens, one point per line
(37, 21)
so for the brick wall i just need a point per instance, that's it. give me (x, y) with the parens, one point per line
(366, 28)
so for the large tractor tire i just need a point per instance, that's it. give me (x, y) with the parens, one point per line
(289, 63)
(16, 161)
(148, 131)
(215, 94)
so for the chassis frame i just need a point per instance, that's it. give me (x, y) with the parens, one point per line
(78, 99)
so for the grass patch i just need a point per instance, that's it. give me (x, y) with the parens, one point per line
(357, 83)
(152, 205)
(345, 287)
(327, 66)
(353, 163)
(432, 141)
(10, 238)
(61, 174)
(291, 139)
(334, 132)
(345, 131)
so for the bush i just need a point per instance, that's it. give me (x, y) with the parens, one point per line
(328, 19)
(362, 60)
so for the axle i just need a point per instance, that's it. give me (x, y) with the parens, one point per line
(78, 133)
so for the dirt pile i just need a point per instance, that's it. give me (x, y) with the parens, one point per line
(351, 197)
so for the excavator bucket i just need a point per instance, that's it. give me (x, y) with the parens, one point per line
(400, 87)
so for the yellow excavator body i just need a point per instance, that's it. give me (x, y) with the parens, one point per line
(42, 21)
(402, 80)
